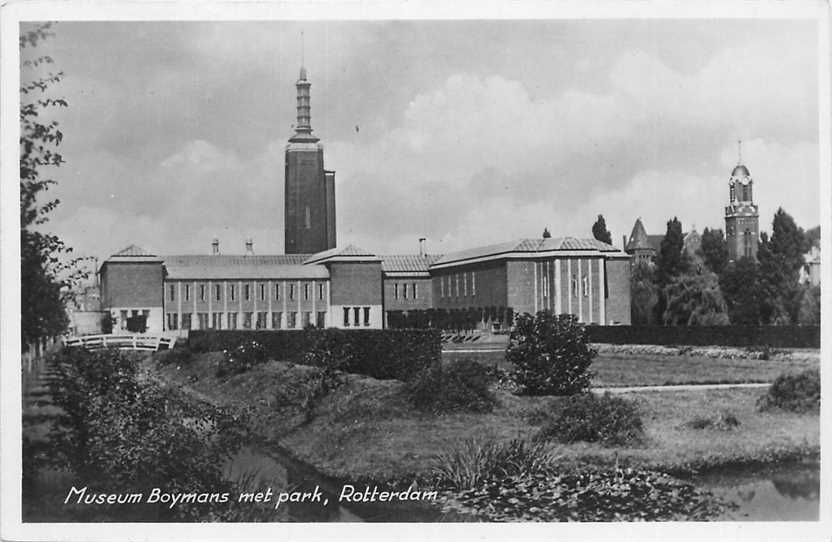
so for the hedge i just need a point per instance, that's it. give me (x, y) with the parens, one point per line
(772, 336)
(379, 353)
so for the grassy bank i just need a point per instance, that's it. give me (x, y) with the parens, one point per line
(367, 428)
(622, 369)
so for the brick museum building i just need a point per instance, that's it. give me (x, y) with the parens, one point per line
(317, 282)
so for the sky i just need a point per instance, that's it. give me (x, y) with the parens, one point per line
(463, 132)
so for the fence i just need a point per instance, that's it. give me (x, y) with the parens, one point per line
(133, 342)
(772, 336)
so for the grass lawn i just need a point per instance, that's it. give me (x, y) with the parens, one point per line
(367, 428)
(646, 370)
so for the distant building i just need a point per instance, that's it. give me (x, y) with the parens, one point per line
(641, 246)
(742, 218)
(810, 272)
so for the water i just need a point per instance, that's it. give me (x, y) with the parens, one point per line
(782, 492)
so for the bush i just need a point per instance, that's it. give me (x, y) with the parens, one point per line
(551, 354)
(722, 420)
(379, 353)
(609, 420)
(459, 386)
(242, 358)
(178, 355)
(794, 392)
(477, 461)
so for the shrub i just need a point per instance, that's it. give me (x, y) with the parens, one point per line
(794, 392)
(607, 419)
(477, 461)
(379, 353)
(242, 358)
(551, 354)
(458, 386)
(722, 420)
(178, 355)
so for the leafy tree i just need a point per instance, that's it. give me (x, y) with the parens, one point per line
(809, 311)
(740, 286)
(546, 233)
(714, 250)
(781, 258)
(788, 240)
(644, 294)
(695, 299)
(47, 274)
(813, 237)
(599, 230)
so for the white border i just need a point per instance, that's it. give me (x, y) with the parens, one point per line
(15, 11)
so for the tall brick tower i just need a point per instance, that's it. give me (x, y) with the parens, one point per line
(742, 220)
(309, 217)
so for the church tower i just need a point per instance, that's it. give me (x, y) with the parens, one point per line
(742, 220)
(309, 214)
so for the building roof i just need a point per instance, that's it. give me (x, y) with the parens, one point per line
(347, 253)
(740, 171)
(638, 237)
(528, 247)
(408, 263)
(132, 254)
(278, 266)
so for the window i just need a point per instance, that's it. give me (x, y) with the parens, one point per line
(291, 320)
(216, 320)
(356, 311)
(346, 317)
(545, 286)
(305, 291)
(172, 293)
(217, 292)
(457, 284)
(321, 320)
(574, 282)
(232, 292)
(415, 292)
(202, 292)
(134, 313)
(396, 290)
(203, 320)
(465, 284)
(277, 290)
(261, 320)
(262, 292)
(173, 320)
(247, 320)
(232, 320)
(585, 285)
(441, 286)
(366, 316)
(187, 292)
(404, 290)
(473, 283)
(247, 292)
(307, 319)
(186, 320)
(292, 290)
(321, 291)
(276, 317)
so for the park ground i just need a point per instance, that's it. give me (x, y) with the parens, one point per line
(367, 429)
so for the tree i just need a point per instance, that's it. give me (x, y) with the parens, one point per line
(714, 250)
(546, 234)
(788, 240)
(644, 294)
(599, 231)
(781, 258)
(671, 259)
(809, 312)
(740, 286)
(47, 274)
(694, 299)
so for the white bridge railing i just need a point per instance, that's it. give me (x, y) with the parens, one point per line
(131, 342)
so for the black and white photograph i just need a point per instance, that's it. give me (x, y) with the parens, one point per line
(343, 263)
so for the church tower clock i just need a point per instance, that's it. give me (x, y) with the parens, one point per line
(742, 219)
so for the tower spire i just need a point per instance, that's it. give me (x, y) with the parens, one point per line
(739, 151)
(303, 127)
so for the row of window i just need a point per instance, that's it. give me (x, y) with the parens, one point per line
(404, 290)
(249, 320)
(133, 313)
(352, 316)
(261, 291)
(449, 285)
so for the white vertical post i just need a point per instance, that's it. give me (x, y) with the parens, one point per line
(601, 281)
(558, 291)
(589, 285)
(269, 314)
(535, 264)
(580, 292)
(569, 285)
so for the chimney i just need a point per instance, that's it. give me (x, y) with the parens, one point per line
(215, 246)
(422, 247)
(249, 247)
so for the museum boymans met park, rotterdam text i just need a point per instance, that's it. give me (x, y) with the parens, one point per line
(348, 493)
